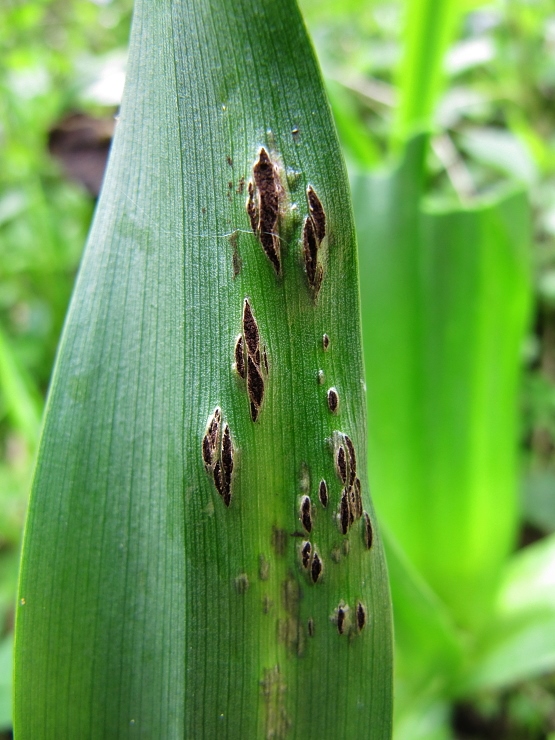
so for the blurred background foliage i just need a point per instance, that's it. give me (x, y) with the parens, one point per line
(446, 114)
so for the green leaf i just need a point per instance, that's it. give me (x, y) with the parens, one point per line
(429, 650)
(428, 29)
(521, 641)
(147, 606)
(445, 300)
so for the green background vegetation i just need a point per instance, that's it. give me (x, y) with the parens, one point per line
(458, 297)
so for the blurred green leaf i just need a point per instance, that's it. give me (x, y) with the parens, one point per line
(6, 654)
(22, 400)
(428, 29)
(521, 641)
(445, 300)
(502, 151)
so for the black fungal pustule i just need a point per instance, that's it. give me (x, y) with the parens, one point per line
(305, 514)
(316, 567)
(306, 553)
(342, 617)
(263, 204)
(314, 232)
(310, 627)
(325, 342)
(248, 355)
(323, 493)
(350, 503)
(367, 532)
(361, 616)
(218, 454)
(333, 400)
(240, 357)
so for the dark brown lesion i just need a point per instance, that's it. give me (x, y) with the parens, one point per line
(306, 552)
(316, 568)
(360, 616)
(249, 349)
(264, 194)
(367, 532)
(314, 233)
(210, 439)
(350, 503)
(240, 357)
(323, 493)
(218, 454)
(333, 400)
(306, 513)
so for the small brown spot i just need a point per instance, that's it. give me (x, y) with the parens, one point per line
(367, 532)
(341, 464)
(315, 568)
(291, 595)
(306, 550)
(263, 568)
(279, 541)
(240, 357)
(336, 554)
(229, 161)
(333, 400)
(346, 547)
(361, 616)
(242, 583)
(267, 604)
(323, 493)
(306, 513)
(310, 627)
(235, 258)
(230, 185)
(241, 186)
(325, 342)
(265, 360)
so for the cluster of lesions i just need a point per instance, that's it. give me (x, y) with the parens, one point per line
(349, 621)
(265, 208)
(251, 360)
(218, 454)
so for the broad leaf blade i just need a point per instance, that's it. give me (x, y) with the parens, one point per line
(146, 605)
(445, 301)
